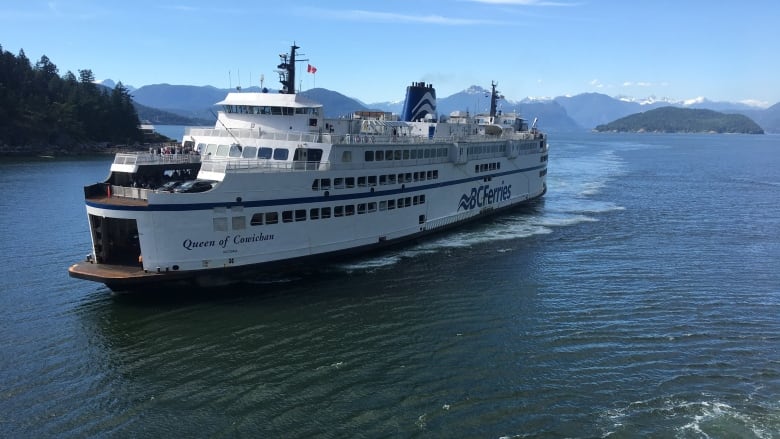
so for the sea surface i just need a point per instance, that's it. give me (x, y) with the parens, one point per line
(640, 298)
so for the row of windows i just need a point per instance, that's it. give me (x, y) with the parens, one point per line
(253, 152)
(405, 154)
(484, 167)
(289, 216)
(324, 184)
(246, 152)
(276, 111)
(485, 149)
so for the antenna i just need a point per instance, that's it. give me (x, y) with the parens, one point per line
(226, 128)
(287, 70)
(262, 79)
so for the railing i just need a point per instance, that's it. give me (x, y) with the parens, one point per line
(222, 166)
(135, 193)
(138, 158)
(349, 139)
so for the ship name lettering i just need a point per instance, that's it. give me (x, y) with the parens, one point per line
(190, 244)
(485, 195)
(239, 239)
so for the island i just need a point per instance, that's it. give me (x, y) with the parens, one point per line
(682, 120)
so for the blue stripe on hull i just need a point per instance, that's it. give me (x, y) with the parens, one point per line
(303, 200)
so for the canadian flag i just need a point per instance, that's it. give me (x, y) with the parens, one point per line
(311, 69)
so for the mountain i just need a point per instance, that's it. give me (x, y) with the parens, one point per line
(591, 109)
(564, 113)
(683, 120)
(185, 100)
(551, 116)
(335, 104)
(161, 117)
(197, 102)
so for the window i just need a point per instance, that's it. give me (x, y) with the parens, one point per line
(390, 204)
(239, 222)
(235, 151)
(325, 184)
(372, 180)
(383, 179)
(369, 156)
(338, 211)
(338, 183)
(315, 185)
(413, 154)
(406, 154)
(287, 216)
(380, 155)
(265, 153)
(314, 213)
(281, 153)
(383, 205)
(271, 217)
(349, 209)
(361, 208)
(220, 224)
(222, 150)
(257, 219)
(350, 182)
(389, 154)
(325, 211)
(397, 154)
(372, 206)
(249, 152)
(346, 156)
(391, 179)
(300, 215)
(361, 181)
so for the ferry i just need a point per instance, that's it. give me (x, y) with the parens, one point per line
(276, 187)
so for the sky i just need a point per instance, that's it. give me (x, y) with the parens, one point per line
(371, 50)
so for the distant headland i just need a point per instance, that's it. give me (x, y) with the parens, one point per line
(683, 120)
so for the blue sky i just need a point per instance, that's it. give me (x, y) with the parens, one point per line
(371, 50)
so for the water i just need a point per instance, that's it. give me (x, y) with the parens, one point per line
(640, 298)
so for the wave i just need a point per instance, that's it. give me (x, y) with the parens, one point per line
(685, 418)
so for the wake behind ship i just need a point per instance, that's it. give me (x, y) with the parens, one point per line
(275, 186)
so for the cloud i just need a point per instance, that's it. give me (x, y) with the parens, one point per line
(755, 103)
(596, 83)
(524, 2)
(638, 84)
(392, 17)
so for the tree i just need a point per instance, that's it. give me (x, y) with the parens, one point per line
(37, 107)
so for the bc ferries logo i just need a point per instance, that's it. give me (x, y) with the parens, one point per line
(484, 196)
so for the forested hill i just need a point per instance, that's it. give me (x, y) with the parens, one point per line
(40, 110)
(683, 120)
